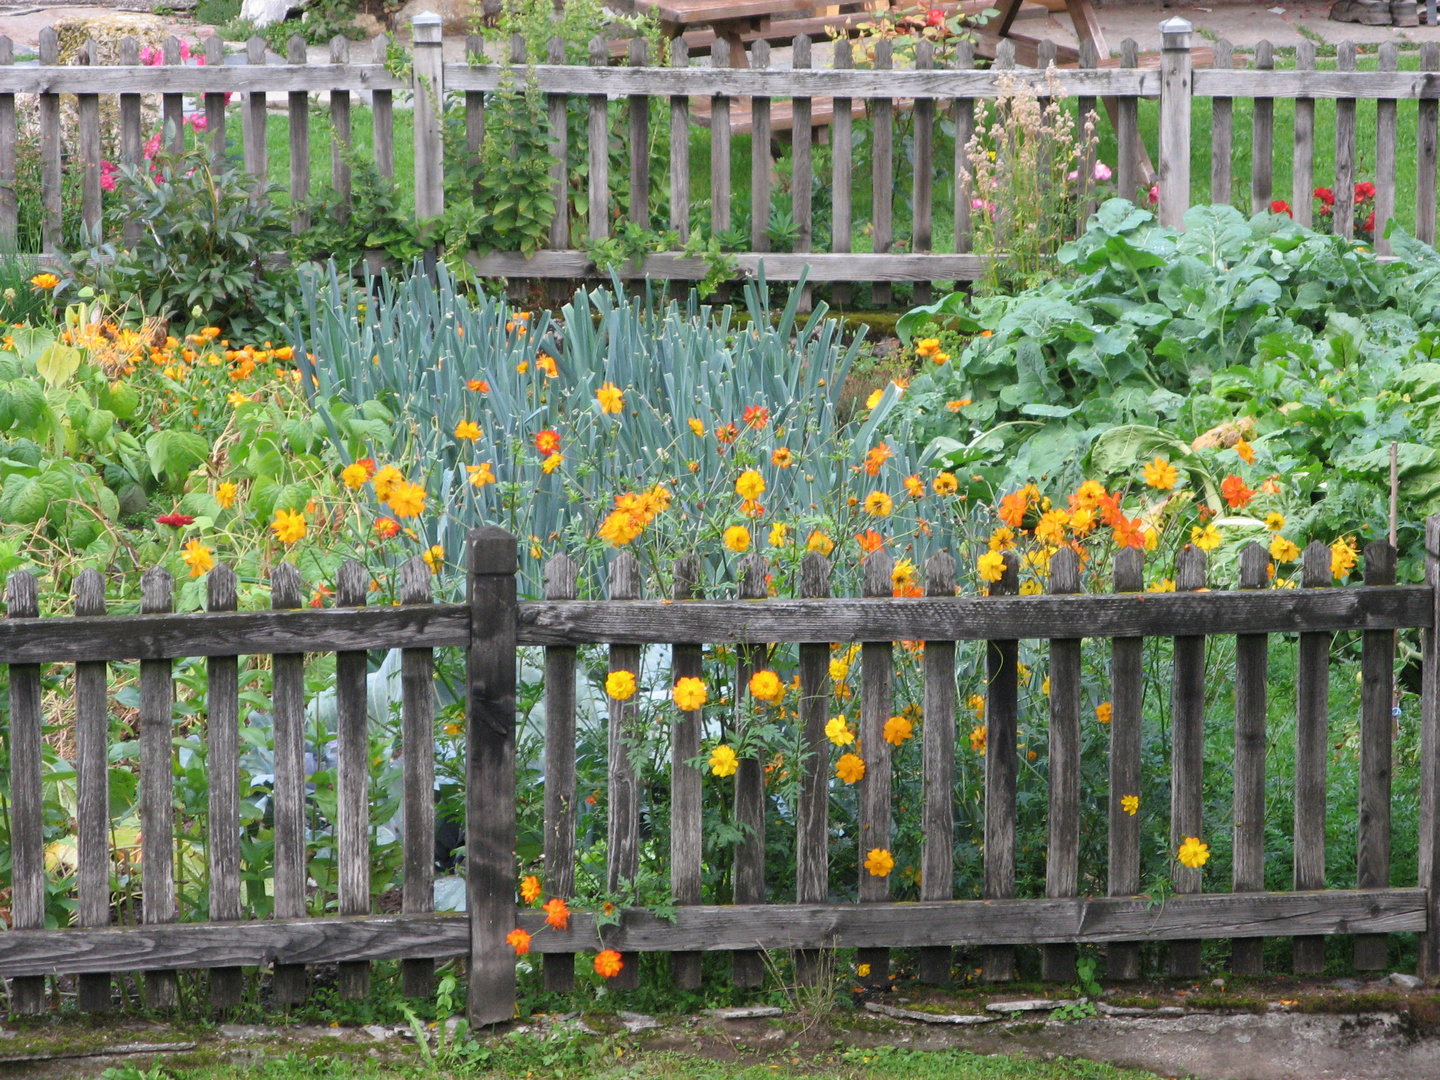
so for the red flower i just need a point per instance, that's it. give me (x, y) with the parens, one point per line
(756, 416)
(1234, 491)
(1369, 225)
(1325, 195)
(176, 520)
(1280, 206)
(935, 17)
(1364, 190)
(548, 441)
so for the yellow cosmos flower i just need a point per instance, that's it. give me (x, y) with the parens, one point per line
(407, 500)
(1342, 557)
(878, 504)
(198, 557)
(225, 495)
(750, 486)
(467, 430)
(781, 457)
(44, 282)
(723, 761)
(551, 463)
(697, 426)
(1160, 474)
(779, 535)
(288, 526)
(945, 484)
(386, 481)
(766, 686)
(610, 397)
(976, 703)
(839, 668)
(839, 732)
(481, 474)
(850, 768)
(620, 685)
(863, 971)
(1207, 538)
(879, 862)
(977, 738)
(1103, 712)
(1130, 804)
(898, 730)
(235, 399)
(1163, 585)
(737, 538)
(689, 694)
(434, 558)
(818, 541)
(1193, 853)
(1283, 550)
(1246, 451)
(991, 566)
(1274, 522)
(874, 398)
(354, 476)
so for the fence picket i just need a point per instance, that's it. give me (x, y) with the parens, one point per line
(598, 149)
(561, 575)
(1247, 955)
(1429, 853)
(812, 827)
(1002, 711)
(760, 164)
(214, 103)
(1062, 850)
(50, 175)
(686, 782)
(719, 146)
(556, 108)
(922, 190)
(842, 169)
(1377, 674)
(882, 176)
(639, 110)
(352, 781)
(257, 159)
(222, 741)
(623, 851)
(1427, 143)
(1187, 755)
(131, 138)
(1312, 739)
(1127, 130)
(1344, 221)
(1385, 112)
(1302, 170)
(340, 138)
(964, 130)
(427, 117)
(937, 829)
(382, 117)
(1127, 699)
(9, 204)
(1176, 84)
(157, 811)
(747, 968)
(1262, 137)
(1222, 120)
(88, 144)
(288, 709)
(417, 749)
(27, 837)
(877, 678)
(299, 105)
(680, 147)
(172, 106)
(92, 781)
(474, 104)
(802, 154)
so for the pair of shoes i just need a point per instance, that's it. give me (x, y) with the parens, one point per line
(1376, 12)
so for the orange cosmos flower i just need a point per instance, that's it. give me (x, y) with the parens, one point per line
(530, 889)
(727, 433)
(876, 457)
(557, 914)
(548, 441)
(478, 385)
(782, 458)
(1235, 493)
(519, 940)
(386, 527)
(608, 963)
(869, 541)
(756, 416)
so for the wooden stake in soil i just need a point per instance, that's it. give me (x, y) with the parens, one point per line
(937, 844)
(561, 576)
(877, 676)
(1127, 698)
(1062, 853)
(1187, 760)
(1002, 706)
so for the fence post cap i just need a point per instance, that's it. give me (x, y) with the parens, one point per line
(492, 550)
(425, 28)
(429, 18)
(1174, 27)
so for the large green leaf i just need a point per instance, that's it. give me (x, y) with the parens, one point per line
(57, 363)
(174, 453)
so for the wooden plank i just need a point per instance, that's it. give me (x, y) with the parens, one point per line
(9, 204)
(882, 172)
(964, 131)
(27, 836)
(747, 968)
(1312, 747)
(490, 774)
(598, 150)
(299, 105)
(214, 103)
(92, 781)
(1372, 833)
(1302, 169)
(686, 782)
(680, 147)
(970, 923)
(1385, 154)
(802, 153)
(1344, 208)
(1002, 712)
(340, 142)
(1262, 137)
(842, 166)
(50, 150)
(1222, 112)
(157, 810)
(256, 154)
(428, 112)
(1340, 84)
(88, 122)
(923, 175)
(1127, 701)
(1427, 143)
(1127, 130)
(1429, 824)
(719, 142)
(288, 709)
(172, 105)
(417, 749)
(352, 779)
(676, 266)
(812, 824)
(877, 690)
(561, 576)
(222, 743)
(1062, 849)
(474, 105)
(555, 106)
(639, 118)
(197, 80)
(1252, 660)
(1173, 165)
(937, 823)
(1187, 755)
(382, 118)
(622, 864)
(760, 163)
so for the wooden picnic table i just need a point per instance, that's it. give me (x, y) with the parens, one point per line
(732, 19)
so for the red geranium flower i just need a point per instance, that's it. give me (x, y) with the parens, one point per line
(1364, 190)
(1325, 195)
(1369, 225)
(1280, 206)
(176, 519)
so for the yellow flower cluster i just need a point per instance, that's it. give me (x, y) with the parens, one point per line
(632, 513)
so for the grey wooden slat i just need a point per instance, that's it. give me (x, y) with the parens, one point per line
(427, 90)
(382, 118)
(882, 171)
(1342, 83)
(747, 968)
(157, 812)
(1427, 143)
(639, 117)
(598, 150)
(1385, 111)
(877, 690)
(1002, 710)
(1127, 133)
(1222, 119)
(964, 130)
(340, 143)
(1429, 824)
(417, 748)
(937, 827)
(172, 105)
(222, 742)
(92, 781)
(474, 104)
(1127, 700)
(1089, 124)
(492, 562)
(1312, 747)
(214, 103)
(719, 142)
(812, 824)
(686, 782)
(720, 928)
(561, 575)
(676, 266)
(1251, 672)
(1187, 754)
(27, 837)
(352, 780)
(299, 109)
(842, 167)
(1344, 183)
(760, 164)
(9, 204)
(257, 161)
(1302, 169)
(802, 151)
(1377, 675)
(50, 150)
(680, 146)
(622, 866)
(288, 709)
(923, 176)
(1262, 137)
(88, 143)
(1173, 163)
(555, 105)
(1062, 849)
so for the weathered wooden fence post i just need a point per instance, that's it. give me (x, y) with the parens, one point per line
(1430, 764)
(427, 84)
(1175, 85)
(490, 770)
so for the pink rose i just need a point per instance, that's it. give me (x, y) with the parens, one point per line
(1102, 171)
(1154, 194)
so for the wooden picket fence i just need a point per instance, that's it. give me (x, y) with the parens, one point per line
(491, 625)
(763, 100)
